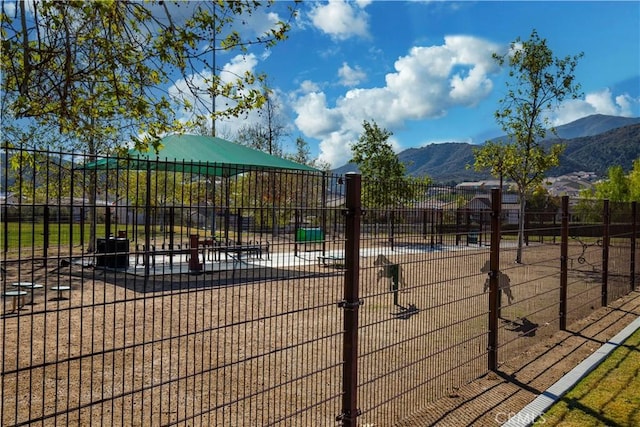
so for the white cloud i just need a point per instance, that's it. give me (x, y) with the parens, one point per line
(601, 102)
(236, 67)
(261, 22)
(314, 118)
(309, 86)
(341, 19)
(426, 83)
(350, 76)
(10, 8)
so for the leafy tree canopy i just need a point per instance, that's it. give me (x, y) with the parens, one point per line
(96, 68)
(618, 187)
(384, 181)
(537, 83)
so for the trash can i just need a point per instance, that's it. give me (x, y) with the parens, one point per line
(309, 235)
(112, 252)
(472, 238)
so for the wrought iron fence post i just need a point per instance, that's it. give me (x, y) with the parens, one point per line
(564, 255)
(605, 253)
(351, 302)
(494, 262)
(634, 232)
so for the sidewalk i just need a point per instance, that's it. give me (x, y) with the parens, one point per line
(496, 398)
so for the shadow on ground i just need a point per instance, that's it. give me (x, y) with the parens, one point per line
(493, 398)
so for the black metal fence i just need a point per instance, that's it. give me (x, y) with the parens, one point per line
(156, 293)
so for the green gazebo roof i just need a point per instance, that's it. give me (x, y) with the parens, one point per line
(198, 154)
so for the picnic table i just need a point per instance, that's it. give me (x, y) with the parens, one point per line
(18, 298)
(252, 248)
(60, 290)
(209, 248)
(331, 260)
(29, 287)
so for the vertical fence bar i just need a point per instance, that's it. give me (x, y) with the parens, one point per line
(82, 215)
(494, 262)
(239, 227)
(351, 302)
(323, 212)
(107, 222)
(391, 223)
(605, 253)
(5, 208)
(634, 232)
(45, 232)
(147, 225)
(564, 255)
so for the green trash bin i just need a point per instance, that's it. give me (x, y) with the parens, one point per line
(309, 235)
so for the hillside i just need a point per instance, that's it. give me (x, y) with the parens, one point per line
(593, 144)
(599, 152)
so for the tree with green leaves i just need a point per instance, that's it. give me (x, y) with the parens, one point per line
(98, 68)
(615, 188)
(634, 182)
(99, 71)
(618, 187)
(384, 180)
(538, 82)
(302, 155)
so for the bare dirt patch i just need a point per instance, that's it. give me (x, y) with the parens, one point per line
(265, 345)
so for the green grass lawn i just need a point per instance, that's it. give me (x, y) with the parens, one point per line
(32, 234)
(608, 396)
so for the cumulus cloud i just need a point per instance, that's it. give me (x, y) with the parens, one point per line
(183, 90)
(600, 102)
(314, 118)
(350, 76)
(341, 19)
(425, 84)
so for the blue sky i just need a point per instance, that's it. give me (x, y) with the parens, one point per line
(423, 70)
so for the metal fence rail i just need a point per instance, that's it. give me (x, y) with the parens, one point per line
(154, 293)
(422, 327)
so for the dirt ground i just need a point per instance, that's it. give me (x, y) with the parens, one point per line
(265, 346)
(495, 398)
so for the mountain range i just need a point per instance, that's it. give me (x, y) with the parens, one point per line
(593, 144)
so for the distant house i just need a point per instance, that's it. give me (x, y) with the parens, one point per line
(570, 185)
(430, 210)
(486, 185)
(60, 208)
(9, 199)
(479, 208)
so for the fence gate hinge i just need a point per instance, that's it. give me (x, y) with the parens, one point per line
(350, 305)
(350, 212)
(348, 416)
